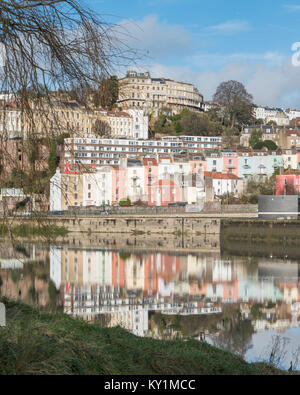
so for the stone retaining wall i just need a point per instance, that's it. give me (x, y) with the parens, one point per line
(132, 225)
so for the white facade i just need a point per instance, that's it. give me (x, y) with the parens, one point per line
(97, 187)
(120, 125)
(293, 114)
(264, 112)
(223, 186)
(56, 192)
(135, 183)
(280, 118)
(165, 170)
(11, 123)
(290, 160)
(140, 125)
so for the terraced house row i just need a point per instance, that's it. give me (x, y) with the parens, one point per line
(155, 181)
(252, 164)
(159, 178)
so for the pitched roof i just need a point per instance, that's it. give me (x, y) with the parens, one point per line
(221, 176)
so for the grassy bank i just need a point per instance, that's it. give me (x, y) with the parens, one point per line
(40, 343)
(24, 230)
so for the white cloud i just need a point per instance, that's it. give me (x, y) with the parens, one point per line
(229, 27)
(270, 85)
(276, 85)
(158, 39)
(292, 7)
(213, 60)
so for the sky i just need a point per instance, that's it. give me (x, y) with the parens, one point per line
(206, 42)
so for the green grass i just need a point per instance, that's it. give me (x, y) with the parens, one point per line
(35, 342)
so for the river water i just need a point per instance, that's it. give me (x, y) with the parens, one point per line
(233, 297)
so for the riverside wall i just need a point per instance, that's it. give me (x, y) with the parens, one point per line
(138, 225)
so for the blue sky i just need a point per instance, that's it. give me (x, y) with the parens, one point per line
(207, 42)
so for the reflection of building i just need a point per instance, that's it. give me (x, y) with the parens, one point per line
(24, 273)
(126, 287)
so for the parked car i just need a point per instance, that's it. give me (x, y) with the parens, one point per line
(57, 212)
(178, 204)
(24, 214)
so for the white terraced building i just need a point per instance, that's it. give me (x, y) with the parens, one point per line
(98, 152)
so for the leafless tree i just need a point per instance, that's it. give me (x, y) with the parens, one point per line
(51, 44)
(276, 352)
(236, 100)
(102, 128)
(52, 51)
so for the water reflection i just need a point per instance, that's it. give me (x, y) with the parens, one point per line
(231, 302)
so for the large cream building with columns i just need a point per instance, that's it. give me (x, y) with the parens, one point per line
(141, 91)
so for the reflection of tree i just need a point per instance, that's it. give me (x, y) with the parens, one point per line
(186, 326)
(103, 320)
(256, 313)
(235, 335)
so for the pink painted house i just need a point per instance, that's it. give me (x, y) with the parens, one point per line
(288, 183)
(231, 163)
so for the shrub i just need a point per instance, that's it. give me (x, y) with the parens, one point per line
(125, 202)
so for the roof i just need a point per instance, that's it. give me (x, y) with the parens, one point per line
(292, 132)
(166, 182)
(118, 114)
(221, 176)
(71, 104)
